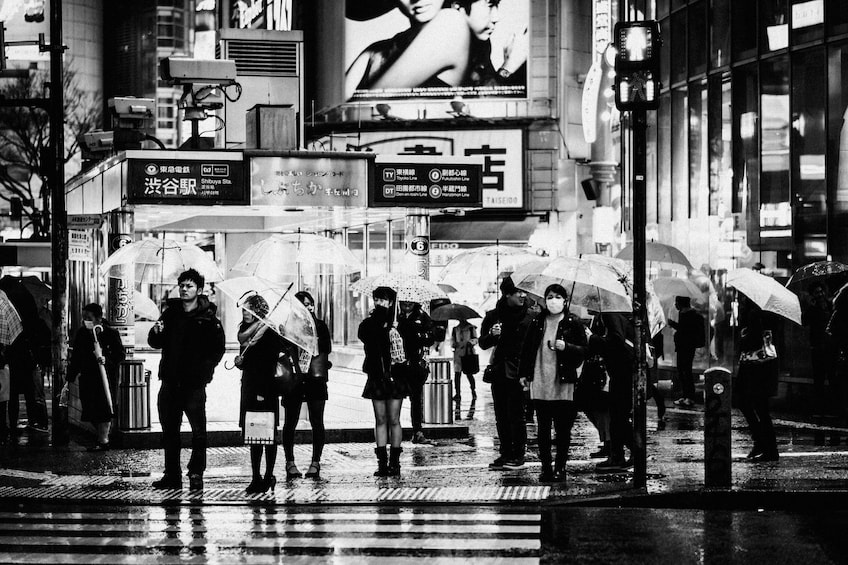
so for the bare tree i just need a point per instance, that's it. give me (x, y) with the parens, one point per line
(25, 135)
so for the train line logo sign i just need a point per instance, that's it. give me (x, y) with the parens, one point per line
(427, 182)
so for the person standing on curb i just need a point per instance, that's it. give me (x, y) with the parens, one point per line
(191, 338)
(688, 337)
(463, 340)
(418, 333)
(504, 328)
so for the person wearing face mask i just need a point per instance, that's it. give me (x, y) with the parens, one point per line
(85, 364)
(386, 394)
(555, 345)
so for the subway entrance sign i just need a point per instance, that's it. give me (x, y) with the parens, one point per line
(427, 182)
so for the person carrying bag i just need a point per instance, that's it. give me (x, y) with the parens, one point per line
(465, 358)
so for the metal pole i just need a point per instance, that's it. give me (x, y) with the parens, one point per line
(639, 125)
(58, 224)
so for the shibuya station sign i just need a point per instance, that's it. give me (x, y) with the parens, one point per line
(427, 182)
(315, 179)
(205, 181)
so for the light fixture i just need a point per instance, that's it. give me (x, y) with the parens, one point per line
(459, 109)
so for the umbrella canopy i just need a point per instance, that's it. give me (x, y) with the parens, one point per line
(484, 265)
(454, 312)
(10, 321)
(409, 288)
(669, 287)
(286, 315)
(815, 272)
(658, 253)
(160, 261)
(766, 293)
(144, 307)
(281, 256)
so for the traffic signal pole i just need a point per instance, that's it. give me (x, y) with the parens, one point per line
(639, 125)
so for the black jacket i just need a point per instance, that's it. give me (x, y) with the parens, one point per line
(374, 335)
(616, 345)
(192, 343)
(508, 345)
(418, 332)
(689, 332)
(83, 359)
(571, 331)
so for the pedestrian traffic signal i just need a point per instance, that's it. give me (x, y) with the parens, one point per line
(637, 65)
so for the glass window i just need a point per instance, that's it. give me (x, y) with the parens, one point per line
(662, 8)
(665, 53)
(808, 149)
(774, 25)
(377, 248)
(746, 154)
(744, 36)
(719, 33)
(837, 17)
(678, 47)
(806, 20)
(677, 4)
(356, 305)
(718, 131)
(775, 211)
(698, 189)
(664, 160)
(698, 38)
(679, 155)
(837, 164)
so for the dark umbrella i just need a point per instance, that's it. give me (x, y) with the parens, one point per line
(23, 302)
(42, 294)
(816, 272)
(454, 312)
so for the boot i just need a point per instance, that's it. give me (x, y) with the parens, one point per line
(601, 453)
(394, 461)
(382, 462)
(559, 469)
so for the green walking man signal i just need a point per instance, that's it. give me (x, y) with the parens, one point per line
(637, 65)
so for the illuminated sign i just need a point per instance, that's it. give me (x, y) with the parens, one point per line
(309, 180)
(262, 14)
(210, 181)
(637, 65)
(402, 50)
(427, 182)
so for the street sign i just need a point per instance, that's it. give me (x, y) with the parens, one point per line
(168, 181)
(427, 182)
(84, 221)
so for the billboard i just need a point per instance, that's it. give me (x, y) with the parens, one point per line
(408, 49)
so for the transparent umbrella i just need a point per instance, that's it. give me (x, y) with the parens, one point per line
(766, 293)
(483, 266)
(282, 256)
(144, 307)
(286, 315)
(160, 261)
(659, 253)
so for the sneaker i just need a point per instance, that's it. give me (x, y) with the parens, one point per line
(98, 447)
(611, 465)
(601, 453)
(688, 403)
(497, 464)
(516, 463)
(40, 428)
(418, 437)
(168, 482)
(195, 481)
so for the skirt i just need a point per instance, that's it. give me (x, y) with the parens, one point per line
(379, 388)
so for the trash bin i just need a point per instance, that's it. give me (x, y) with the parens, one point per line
(133, 396)
(438, 401)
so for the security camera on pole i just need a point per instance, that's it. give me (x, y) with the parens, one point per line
(637, 86)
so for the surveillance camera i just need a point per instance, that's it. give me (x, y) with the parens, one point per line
(182, 70)
(98, 140)
(131, 108)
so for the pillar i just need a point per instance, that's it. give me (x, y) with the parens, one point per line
(417, 239)
(120, 285)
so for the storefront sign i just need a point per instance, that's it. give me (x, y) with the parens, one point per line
(162, 181)
(427, 182)
(79, 246)
(262, 14)
(311, 180)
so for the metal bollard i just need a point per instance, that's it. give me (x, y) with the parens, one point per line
(133, 396)
(717, 441)
(438, 401)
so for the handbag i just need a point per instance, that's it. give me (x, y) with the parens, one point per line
(287, 376)
(470, 363)
(493, 373)
(763, 355)
(259, 428)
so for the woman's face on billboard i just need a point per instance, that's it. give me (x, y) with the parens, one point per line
(419, 11)
(482, 17)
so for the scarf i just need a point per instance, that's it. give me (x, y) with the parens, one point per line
(251, 334)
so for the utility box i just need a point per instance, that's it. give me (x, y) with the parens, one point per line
(438, 405)
(271, 127)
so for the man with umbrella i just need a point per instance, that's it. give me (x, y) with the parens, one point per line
(192, 342)
(418, 333)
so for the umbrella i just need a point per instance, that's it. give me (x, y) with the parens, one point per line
(162, 260)
(454, 312)
(409, 288)
(483, 265)
(658, 253)
(669, 287)
(282, 256)
(144, 307)
(812, 272)
(447, 287)
(10, 321)
(286, 315)
(766, 293)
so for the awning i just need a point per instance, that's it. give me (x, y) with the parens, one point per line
(510, 231)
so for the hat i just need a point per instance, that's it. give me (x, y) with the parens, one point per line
(361, 10)
(683, 301)
(507, 286)
(384, 292)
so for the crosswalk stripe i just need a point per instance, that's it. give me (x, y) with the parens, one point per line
(231, 559)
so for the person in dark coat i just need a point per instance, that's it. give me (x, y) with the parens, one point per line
(384, 390)
(85, 364)
(504, 328)
(191, 338)
(756, 382)
(259, 348)
(816, 316)
(688, 337)
(555, 345)
(418, 333)
(837, 330)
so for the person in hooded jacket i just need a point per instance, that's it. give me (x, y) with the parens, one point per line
(555, 345)
(504, 328)
(191, 338)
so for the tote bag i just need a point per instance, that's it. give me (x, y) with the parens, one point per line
(259, 428)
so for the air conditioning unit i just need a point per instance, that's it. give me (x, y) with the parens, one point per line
(269, 65)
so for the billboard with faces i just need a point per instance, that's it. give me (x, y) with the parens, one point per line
(428, 49)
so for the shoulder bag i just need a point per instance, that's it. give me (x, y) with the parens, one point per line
(763, 355)
(287, 376)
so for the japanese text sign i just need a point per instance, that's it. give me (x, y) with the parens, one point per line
(208, 181)
(308, 180)
(427, 182)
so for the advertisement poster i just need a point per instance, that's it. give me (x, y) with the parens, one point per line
(407, 49)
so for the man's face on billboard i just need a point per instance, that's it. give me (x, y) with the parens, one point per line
(482, 17)
(419, 11)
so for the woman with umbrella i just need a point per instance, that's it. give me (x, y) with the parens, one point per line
(259, 348)
(87, 363)
(386, 393)
(463, 340)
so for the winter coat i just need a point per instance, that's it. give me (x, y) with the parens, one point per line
(754, 379)
(83, 364)
(258, 366)
(192, 343)
(374, 335)
(689, 334)
(461, 341)
(508, 345)
(418, 333)
(320, 365)
(616, 345)
(571, 331)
